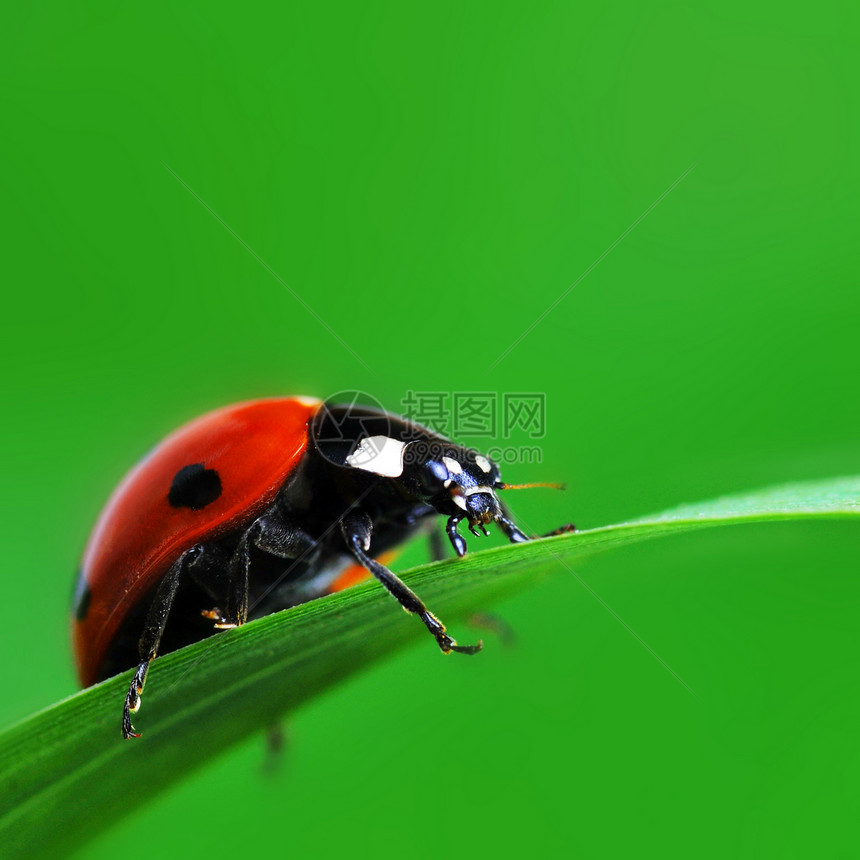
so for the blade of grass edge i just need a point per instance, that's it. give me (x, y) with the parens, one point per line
(65, 774)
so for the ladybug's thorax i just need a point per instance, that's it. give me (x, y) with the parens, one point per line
(321, 493)
(393, 463)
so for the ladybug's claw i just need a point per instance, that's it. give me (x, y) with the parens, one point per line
(132, 701)
(467, 649)
(221, 622)
(445, 642)
(127, 728)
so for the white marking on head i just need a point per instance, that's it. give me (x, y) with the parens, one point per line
(380, 455)
(452, 465)
(470, 491)
(459, 501)
(484, 463)
(308, 401)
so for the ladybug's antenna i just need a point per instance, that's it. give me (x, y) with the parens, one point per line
(553, 486)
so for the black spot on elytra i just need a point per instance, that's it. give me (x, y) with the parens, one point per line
(82, 598)
(194, 487)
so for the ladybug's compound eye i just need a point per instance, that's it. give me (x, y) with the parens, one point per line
(427, 467)
(434, 474)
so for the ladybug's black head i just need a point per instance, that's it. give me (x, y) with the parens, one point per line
(456, 481)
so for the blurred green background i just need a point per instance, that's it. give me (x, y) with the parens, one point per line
(430, 179)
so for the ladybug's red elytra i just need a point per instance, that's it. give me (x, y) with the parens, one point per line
(260, 506)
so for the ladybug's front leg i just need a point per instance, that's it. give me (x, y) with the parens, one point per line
(156, 619)
(357, 528)
(510, 528)
(515, 535)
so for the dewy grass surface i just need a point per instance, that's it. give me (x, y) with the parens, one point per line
(67, 774)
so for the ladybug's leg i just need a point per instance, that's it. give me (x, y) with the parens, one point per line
(357, 528)
(514, 534)
(457, 540)
(237, 590)
(485, 620)
(511, 530)
(153, 629)
(437, 546)
(495, 624)
(210, 570)
(567, 528)
(273, 534)
(276, 739)
(276, 535)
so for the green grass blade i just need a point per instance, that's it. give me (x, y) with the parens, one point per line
(65, 773)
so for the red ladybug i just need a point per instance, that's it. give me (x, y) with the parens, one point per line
(261, 506)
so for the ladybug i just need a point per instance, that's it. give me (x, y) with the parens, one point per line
(260, 506)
